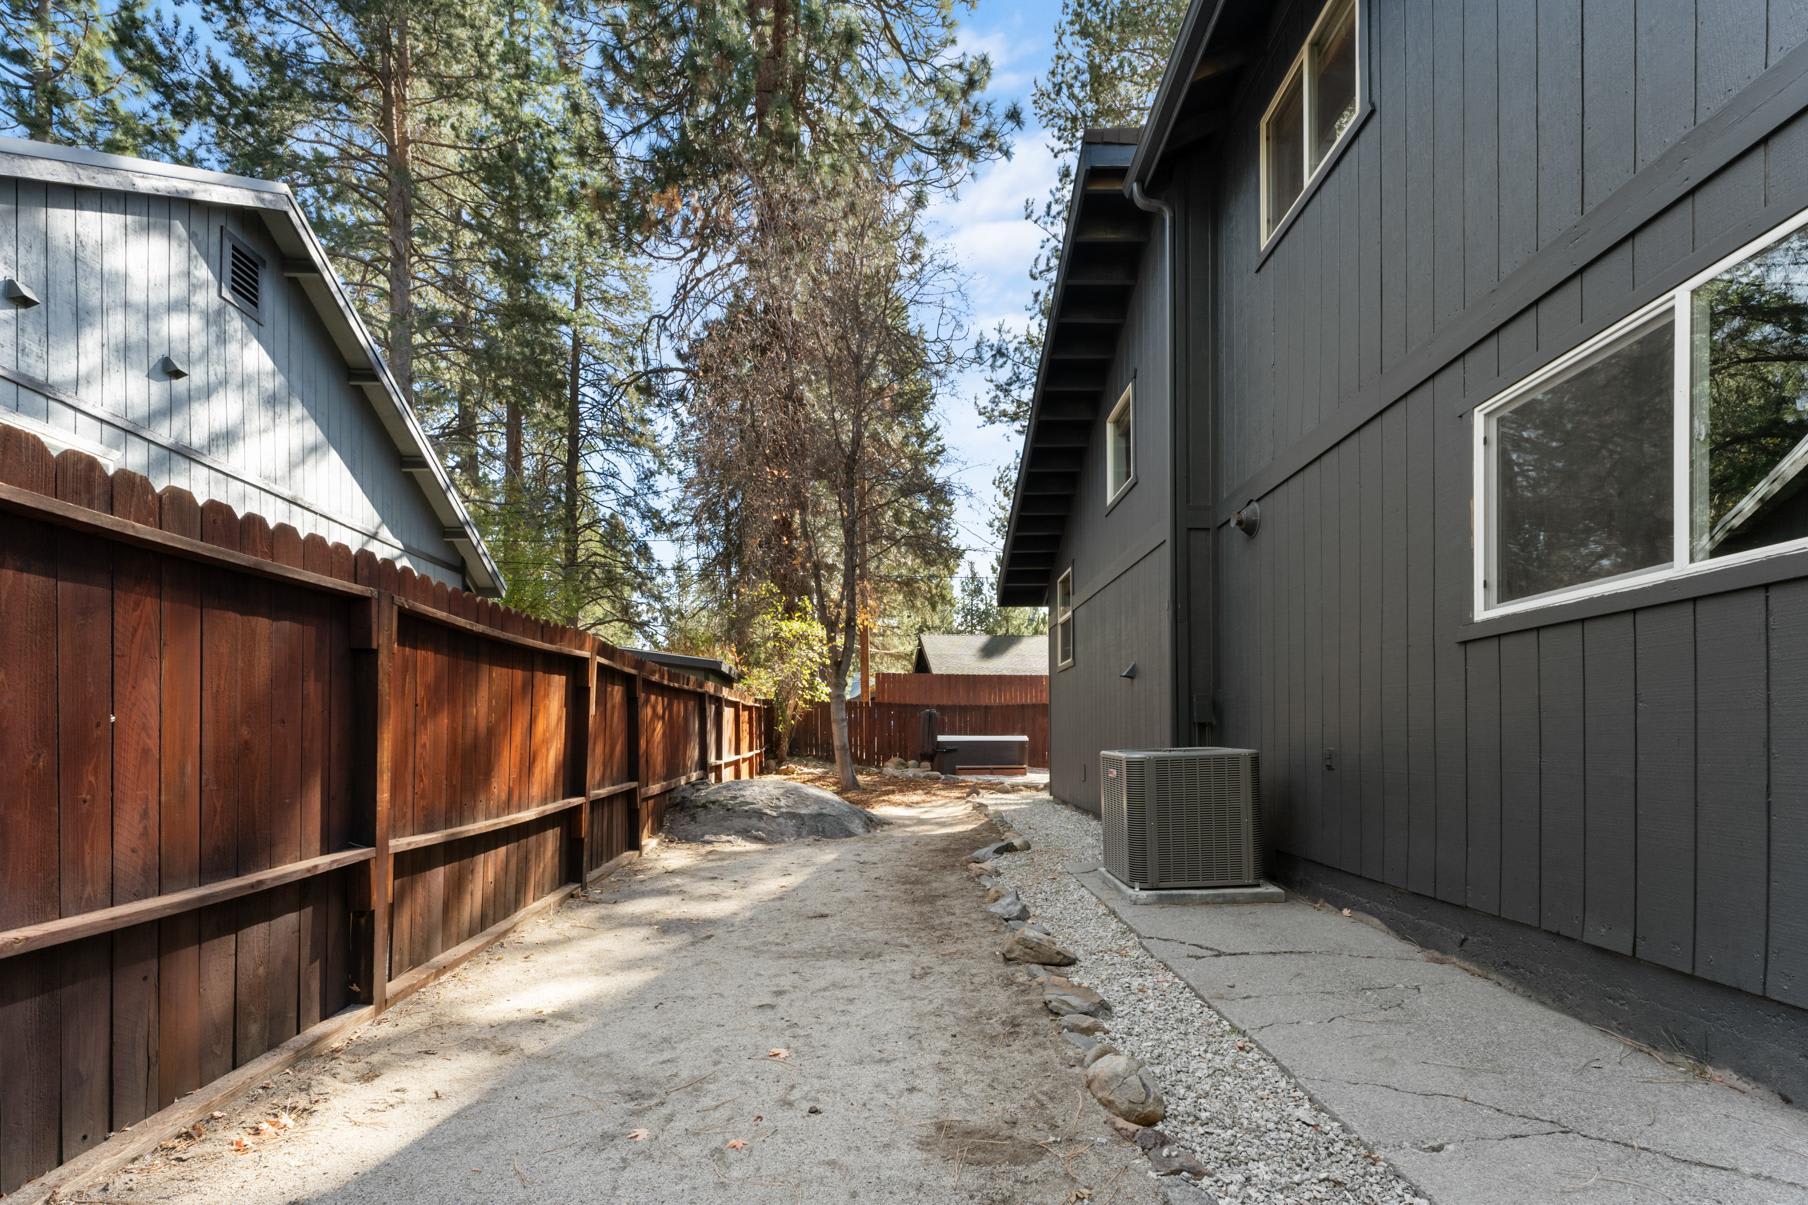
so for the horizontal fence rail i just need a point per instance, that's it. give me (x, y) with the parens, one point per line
(260, 786)
(880, 731)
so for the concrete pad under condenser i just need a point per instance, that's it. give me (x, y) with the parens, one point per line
(1261, 893)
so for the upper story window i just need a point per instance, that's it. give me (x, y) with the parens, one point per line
(1675, 440)
(1316, 107)
(1063, 630)
(1120, 446)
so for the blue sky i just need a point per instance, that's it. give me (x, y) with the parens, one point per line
(985, 231)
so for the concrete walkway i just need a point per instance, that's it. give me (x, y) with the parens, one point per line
(1478, 1094)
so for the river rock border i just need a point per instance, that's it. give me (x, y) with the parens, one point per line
(1233, 1122)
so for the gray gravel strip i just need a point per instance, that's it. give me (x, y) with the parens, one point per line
(1263, 1138)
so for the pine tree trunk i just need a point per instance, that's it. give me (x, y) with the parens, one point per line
(40, 114)
(838, 725)
(400, 198)
(573, 449)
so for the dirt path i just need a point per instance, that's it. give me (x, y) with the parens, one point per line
(911, 1062)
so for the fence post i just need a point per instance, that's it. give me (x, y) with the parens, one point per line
(582, 713)
(373, 638)
(637, 743)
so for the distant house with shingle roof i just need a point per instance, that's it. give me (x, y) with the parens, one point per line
(950, 653)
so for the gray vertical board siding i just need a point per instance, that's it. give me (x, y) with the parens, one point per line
(1664, 82)
(1665, 853)
(1564, 787)
(1396, 750)
(1484, 142)
(1312, 678)
(1609, 63)
(1482, 683)
(9, 266)
(1384, 214)
(1124, 613)
(1559, 167)
(1451, 583)
(1732, 45)
(1610, 780)
(1520, 818)
(1562, 709)
(1786, 965)
(1330, 695)
(1516, 42)
(127, 278)
(1374, 775)
(1731, 788)
(1421, 634)
(1349, 650)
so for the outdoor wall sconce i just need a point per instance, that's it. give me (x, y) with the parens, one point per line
(169, 368)
(19, 294)
(1249, 519)
(1129, 671)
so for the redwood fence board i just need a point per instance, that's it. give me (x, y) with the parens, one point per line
(213, 731)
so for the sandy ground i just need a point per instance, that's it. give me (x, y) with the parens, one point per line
(823, 1021)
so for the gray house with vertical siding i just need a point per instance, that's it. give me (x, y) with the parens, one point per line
(186, 325)
(1425, 405)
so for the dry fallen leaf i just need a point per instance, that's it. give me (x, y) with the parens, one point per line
(778, 1052)
(638, 1135)
(263, 1127)
(240, 1145)
(737, 1144)
(1346, 911)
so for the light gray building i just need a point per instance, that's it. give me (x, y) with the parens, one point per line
(186, 325)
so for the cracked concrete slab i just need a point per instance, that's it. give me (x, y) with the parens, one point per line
(1478, 1093)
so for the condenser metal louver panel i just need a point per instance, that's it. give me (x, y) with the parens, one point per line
(1181, 817)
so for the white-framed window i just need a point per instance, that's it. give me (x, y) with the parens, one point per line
(1120, 447)
(1674, 441)
(1313, 111)
(1063, 627)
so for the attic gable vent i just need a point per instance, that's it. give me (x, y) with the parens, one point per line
(242, 275)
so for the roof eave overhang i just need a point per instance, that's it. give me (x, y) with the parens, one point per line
(1198, 31)
(304, 261)
(1101, 255)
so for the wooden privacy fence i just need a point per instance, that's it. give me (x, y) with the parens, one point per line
(974, 704)
(258, 787)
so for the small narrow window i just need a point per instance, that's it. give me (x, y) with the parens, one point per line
(241, 275)
(1317, 104)
(1064, 637)
(1120, 447)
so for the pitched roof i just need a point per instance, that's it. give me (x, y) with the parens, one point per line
(304, 260)
(944, 653)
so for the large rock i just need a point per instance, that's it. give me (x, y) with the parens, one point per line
(1167, 1157)
(1009, 907)
(1125, 1087)
(768, 810)
(1064, 999)
(1032, 945)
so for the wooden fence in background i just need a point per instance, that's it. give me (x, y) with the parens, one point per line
(257, 788)
(969, 704)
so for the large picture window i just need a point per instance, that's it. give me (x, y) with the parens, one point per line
(1675, 440)
(1317, 104)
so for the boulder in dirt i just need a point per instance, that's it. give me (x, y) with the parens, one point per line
(1032, 945)
(1167, 1157)
(767, 810)
(979, 870)
(986, 853)
(1125, 1087)
(1082, 1023)
(1009, 907)
(1066, 999)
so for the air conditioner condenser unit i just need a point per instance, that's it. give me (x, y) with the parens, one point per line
(1181, 818)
